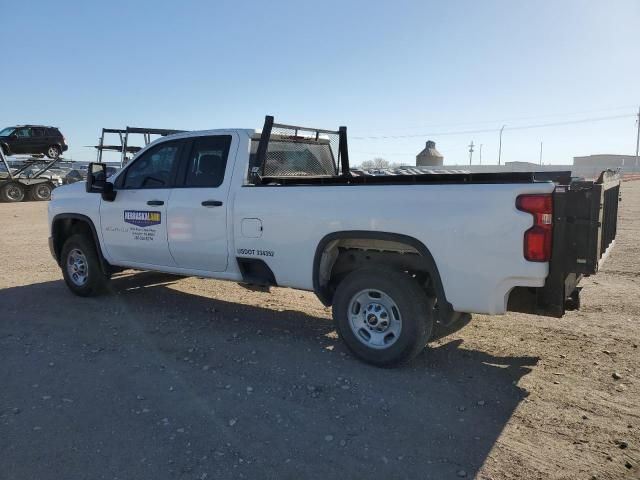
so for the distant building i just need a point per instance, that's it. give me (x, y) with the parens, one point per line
(521, 166)
(605, 161)
(430, 156)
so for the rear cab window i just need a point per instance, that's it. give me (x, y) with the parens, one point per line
(206, 161)
(295, 157)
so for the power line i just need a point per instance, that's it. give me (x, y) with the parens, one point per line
(488, 130)
(570, 122)
(515, 119)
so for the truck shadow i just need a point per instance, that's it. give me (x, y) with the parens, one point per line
(275, 389)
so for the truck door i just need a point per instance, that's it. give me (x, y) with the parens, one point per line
(134, 225)
(197, 211)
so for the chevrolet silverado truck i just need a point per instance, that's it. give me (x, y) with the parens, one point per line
(398, 257)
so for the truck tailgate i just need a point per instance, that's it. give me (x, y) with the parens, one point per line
(585, 216)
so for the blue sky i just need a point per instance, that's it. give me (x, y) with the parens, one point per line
(414, 69)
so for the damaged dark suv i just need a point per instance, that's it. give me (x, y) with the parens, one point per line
(33, 140)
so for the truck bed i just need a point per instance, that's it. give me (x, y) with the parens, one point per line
(584, 211)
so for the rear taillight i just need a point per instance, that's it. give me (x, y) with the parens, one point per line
(537, 240)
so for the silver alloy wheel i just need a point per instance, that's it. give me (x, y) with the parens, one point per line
(374, 318)
(53, 152)
(77, 267)
(43, 191)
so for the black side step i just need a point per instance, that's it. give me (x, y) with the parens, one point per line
(256, 272)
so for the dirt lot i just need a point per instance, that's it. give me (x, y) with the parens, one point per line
(194, 379)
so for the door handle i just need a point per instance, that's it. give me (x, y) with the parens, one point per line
(155, 203)
(212, 203)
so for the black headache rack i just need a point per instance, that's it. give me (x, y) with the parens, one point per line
(585, 218)
(289, 155)
(292, 154)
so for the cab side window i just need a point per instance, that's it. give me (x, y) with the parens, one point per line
(207, 161)
(155, 168)
(23, 132)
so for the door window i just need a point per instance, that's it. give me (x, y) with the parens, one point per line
(37, 132)
(23, 132)
(154, 169)
(207, 161)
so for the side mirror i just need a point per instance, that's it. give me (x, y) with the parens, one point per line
(96, 177)
(97, 181)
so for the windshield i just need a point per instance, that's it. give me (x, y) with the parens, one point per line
(7, 131)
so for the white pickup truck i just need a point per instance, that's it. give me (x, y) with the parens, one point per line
(396, 256)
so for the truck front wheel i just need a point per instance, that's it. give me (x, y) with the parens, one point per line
(383, 316)
(81, 267)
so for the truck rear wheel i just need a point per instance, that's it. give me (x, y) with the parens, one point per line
(12, 192)
(383, 316)
(41, 192)
(81, 267)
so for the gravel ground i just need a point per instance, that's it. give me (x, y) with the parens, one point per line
(191, 379)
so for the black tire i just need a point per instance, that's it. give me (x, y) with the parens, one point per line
(95, 280)
(414, 308)
(41, 192)
(12, 192)
(53, 151)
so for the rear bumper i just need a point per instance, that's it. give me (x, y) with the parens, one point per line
(65, 147)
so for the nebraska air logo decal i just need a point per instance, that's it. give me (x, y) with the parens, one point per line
(142, 219)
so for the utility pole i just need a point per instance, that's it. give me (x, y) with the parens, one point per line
(500, 147)
(480, 154)
(470, 152)
(638, 139)
(540, 153)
